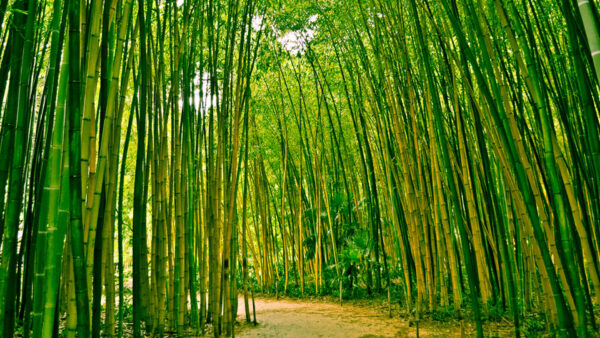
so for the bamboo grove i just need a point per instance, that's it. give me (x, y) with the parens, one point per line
(160, 158)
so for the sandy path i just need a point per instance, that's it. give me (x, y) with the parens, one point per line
(291, 318)
(306, 318)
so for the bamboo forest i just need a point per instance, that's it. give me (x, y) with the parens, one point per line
(189, 168)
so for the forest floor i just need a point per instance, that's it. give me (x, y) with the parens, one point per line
(326, 318)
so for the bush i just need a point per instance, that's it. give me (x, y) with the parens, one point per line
(443, 314)
(534, 324)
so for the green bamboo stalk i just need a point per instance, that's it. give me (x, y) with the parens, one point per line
(76, 229)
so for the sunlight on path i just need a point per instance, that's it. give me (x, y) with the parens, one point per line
(291, 318)
(307, 318)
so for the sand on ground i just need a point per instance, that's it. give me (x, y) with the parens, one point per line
(306, 318)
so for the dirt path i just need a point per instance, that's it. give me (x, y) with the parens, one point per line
(291, 318)
(305, 318)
